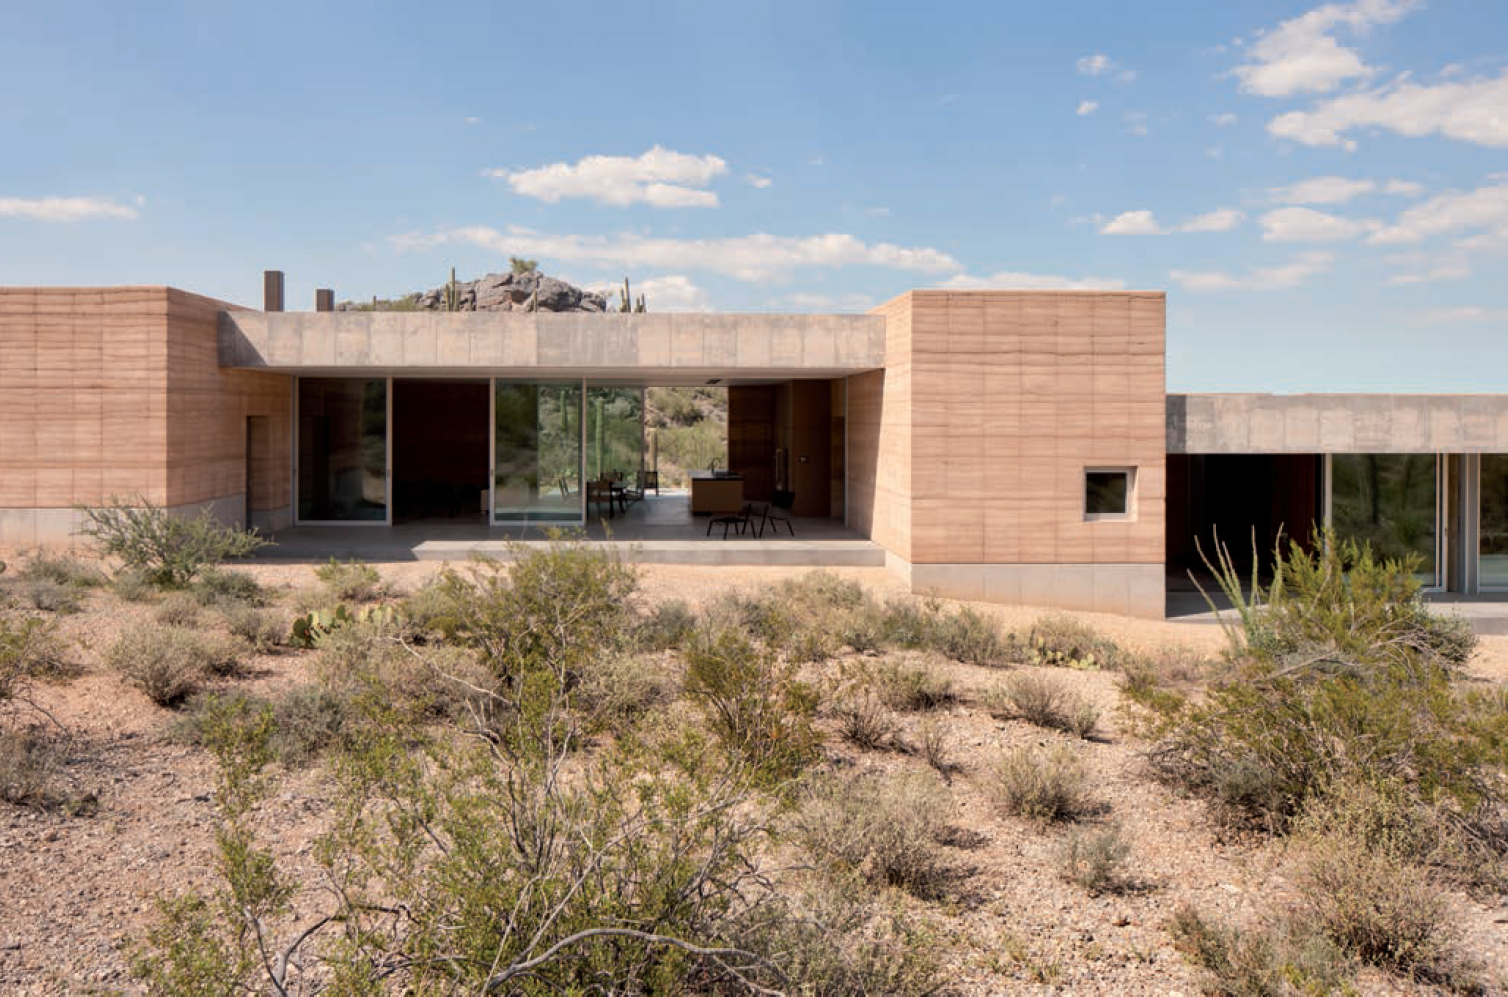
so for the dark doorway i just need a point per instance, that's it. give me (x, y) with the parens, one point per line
(1250, 499)
(439, 450)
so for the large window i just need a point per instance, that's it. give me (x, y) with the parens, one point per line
(1492, 569)
(614, 431)
(342, 449)
(537, 435)
(1391, 502)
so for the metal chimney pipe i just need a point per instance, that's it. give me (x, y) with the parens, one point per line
(324, 299)
(272, 290)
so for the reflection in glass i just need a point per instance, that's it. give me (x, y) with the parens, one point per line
(538, 458)
(1493, 568)
(342, 449)
(614, 431)
(1388, 500)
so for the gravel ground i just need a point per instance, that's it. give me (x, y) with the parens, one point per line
(74, 891)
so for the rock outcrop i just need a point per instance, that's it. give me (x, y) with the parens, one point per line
(504, 292)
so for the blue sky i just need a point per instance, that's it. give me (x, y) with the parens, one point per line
(1322, 189)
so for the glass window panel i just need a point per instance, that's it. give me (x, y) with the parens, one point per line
(1107, 493)
(614, 431)
(342, 449)
(1388, 501)
(1493, 545)
(538, 452)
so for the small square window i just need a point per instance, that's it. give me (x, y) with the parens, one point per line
(1108, 492)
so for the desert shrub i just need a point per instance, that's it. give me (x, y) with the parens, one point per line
(262, 630)
(904, 686)
(1045, 702)
(31, 767)
(1335, 680)
(351, 581)
(1275, 961)
(29, 648)
(221, 587)
(883, 829)
(669, 625)
(179, 609)
(171, 663)
(63, 569)
(972, 638)
(616, 691)
(303, 722)
(831, 941)
(170, 550)
(425, 608)
(133, 586)
(1047, 786)
(933, 745)
(555, 607)
(755, 704)
(52, 596)
(1095, 859)
(1063, 642)
(866, 723)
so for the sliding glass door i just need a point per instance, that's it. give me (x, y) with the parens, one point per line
(1492, 528)
(614, 432)
(537, 434)
(342, 457)
(1391, 501)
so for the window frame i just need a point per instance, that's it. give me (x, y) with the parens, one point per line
(1129, 513)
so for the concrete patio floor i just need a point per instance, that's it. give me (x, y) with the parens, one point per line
(656, 530)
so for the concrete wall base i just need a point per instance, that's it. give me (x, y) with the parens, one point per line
(1121, 589)
(56, 528)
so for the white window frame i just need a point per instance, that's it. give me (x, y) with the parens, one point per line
(1110, 517)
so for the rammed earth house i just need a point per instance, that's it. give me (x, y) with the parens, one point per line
(1012, 446)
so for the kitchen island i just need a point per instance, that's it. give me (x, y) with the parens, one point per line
(716, 491)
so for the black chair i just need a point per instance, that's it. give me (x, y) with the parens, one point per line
(777, 511)
(648, 480)
(739, 520)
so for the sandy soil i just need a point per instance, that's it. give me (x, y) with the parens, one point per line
(74, 891)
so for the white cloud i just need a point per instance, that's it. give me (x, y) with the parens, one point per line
(65, 209)
(1257, 279)
(660, 177)
(1087, 107)
(758, 257)
(1136, 122)
(1126, 76)
(673, 293)
(1095, 65)
(1010, 280)
(758, 181)
(1145, 223)
(1224, 120)
(1454, 266)
(1308, 225)
(1132, 223)
(1301, 56)
(1466, 313)
(1484, 211)
(473, 120)
(830, 302)
(1339, 190)
(1473, 111)
(1219, 220)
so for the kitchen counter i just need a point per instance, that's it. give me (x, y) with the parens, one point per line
(716, 491)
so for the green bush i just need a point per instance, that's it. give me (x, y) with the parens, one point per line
(133, 586)
(1276, 961)
(1063, 642)
(668, 626)
(618, 690)
(179, 609)
(262, 630)
(63, 569)
(170, 663)
(1095, 860)
(304, 722)
(904, 686)
(351, 581)
(755, 705)
(170, 550)
(221, 587)
(1048, 786)
(427, 608)
(52, 596)
(1045, 702)
(881, 828)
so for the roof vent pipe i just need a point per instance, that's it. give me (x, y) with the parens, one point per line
(324, 299)
(272, 290)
